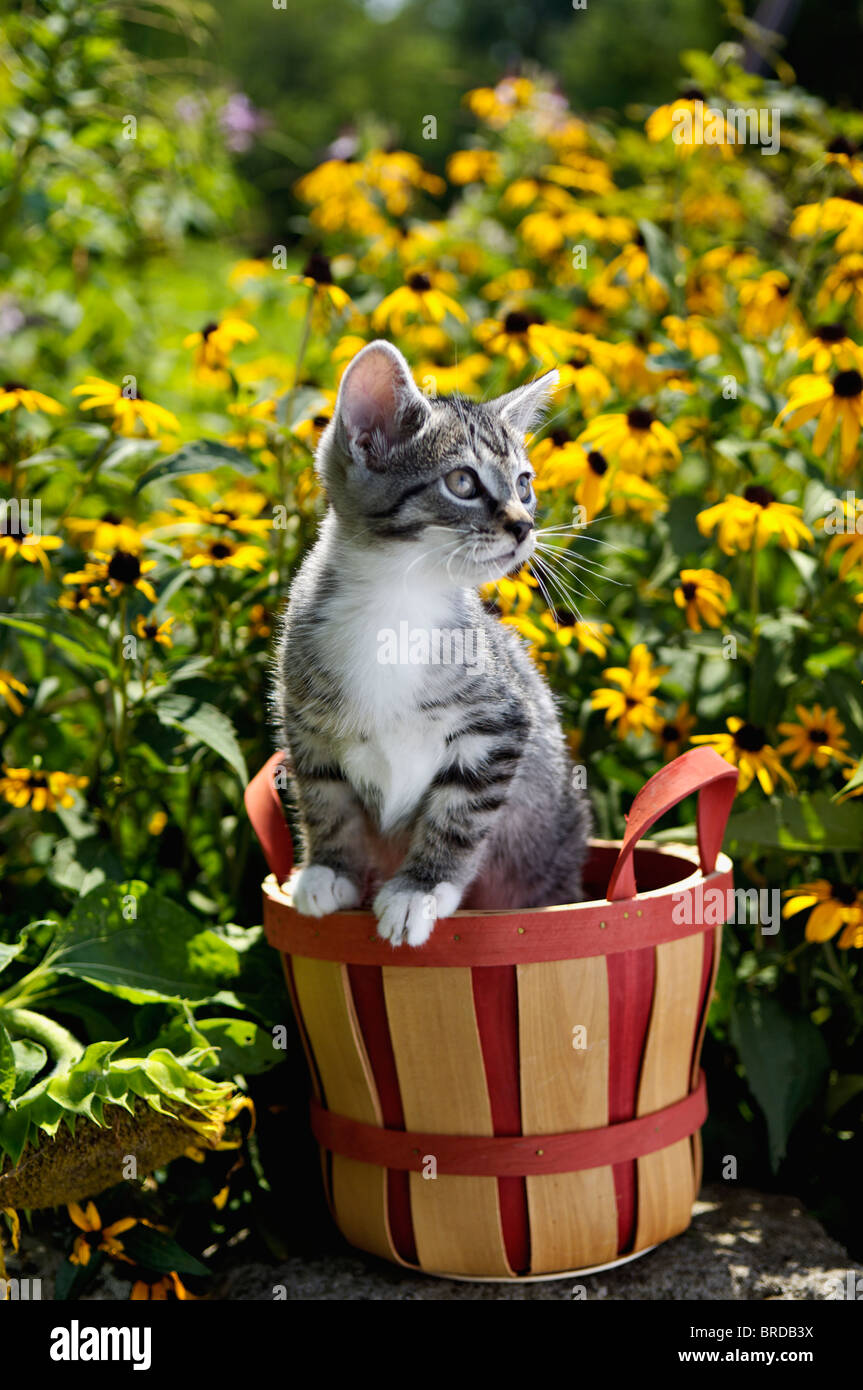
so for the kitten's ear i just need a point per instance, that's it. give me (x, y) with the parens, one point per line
(524, 407)
(379, 404)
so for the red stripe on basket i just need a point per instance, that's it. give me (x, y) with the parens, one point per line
(527, 1155)
(367, 988)
(495, 999)
(630, 995)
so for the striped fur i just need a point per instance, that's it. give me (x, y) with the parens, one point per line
(418, 786)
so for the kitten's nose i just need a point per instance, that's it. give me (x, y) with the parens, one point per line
(520, 529)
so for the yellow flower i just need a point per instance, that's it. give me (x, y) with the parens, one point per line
(82, 597)
(101, 1237)
(691, 335)
(151, 630)
(416, 298)
(157, 823)
(317, 275)
(127, 410)
(213, 346)
(8, 687)
(836, 401)
(692, 124)
(833, 905)
(16, 544)
(753, 518)
(565, 629)
(844, 285)
(765, 303)
(462, 377)
(108, 532)
(245, 270)
(842, 213)
(849, 538)
(496, 106)
(674, 731)
(122, 570)
(43, 791)
(510, 596)
(260, 624)
(745, 746)
(517, 281)
(220, 551)
(843, 152)
(702, 594)
(818, 737)
(157, 1290)
(633, 706)
(830, 346)
(236, 511)
(590, 384)
(522, 335)
(637, 439)
(473, 166)
(14, 394)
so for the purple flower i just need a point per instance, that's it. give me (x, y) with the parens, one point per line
(240, 121)
(189, 109)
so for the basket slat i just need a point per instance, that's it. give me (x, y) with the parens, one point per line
(359, 1190)
(573, 1216)
(666, 1181)
(457, 1220)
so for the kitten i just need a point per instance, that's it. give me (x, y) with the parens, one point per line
(422, 783)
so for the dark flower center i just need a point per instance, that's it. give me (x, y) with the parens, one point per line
(564, 616)
(843, 893)
(783, 291)
(320, 421)
(853, 195)
(847, 384)
(630, 702)
(639, 419)
(669, 733)
(819, 736)
(638, 240)
(750, 739)
(419, 282)
(14, 386)
(150, 630)
(37, 779)
(689, 590)
(14, 530)
(317, 268)
(516, 322)
(761, 496)
(559, 438)
(841, 145)
(124, 567)
(596, 462)
(578, 362)
(220, 551)
(208, 329)
(831, 332)
(692, 94)
(112, 519)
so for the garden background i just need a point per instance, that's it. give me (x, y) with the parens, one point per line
(204, 213)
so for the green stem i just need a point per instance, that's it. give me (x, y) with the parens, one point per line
(58, 1042)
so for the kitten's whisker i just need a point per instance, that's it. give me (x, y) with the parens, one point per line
(560, 587)
(573, 564)
(542, 589)
(573, 579)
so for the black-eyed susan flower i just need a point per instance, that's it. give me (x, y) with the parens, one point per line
(463, 377)
(842, 213)
(692, 335)
(157, 822)
(157, 1290)
(126, 411)
(755, 518)
(512, 282)
(836, 400)
(848, 536)
(238, 510)
(473, 166)
(248, 269)
(496, 106)
(418, 297)
(41, 791)
(633, 707)
(843, 285)
(260, 621)
(19, 543)
(745, 746)
(151, 630)
(691, 124)
(317, 275)
(636, 439)
(844, 153)
(82, 597)
(765, 303)
(831, 347)
(566, 629)
(96, 1236)
(523, 335)
(702, 594)
(673, 732)
(106, 533)
(10, 689)
(816, 738)
(14, 395)
(590, 385)
(833, 906)
(118, 573)
(213, 345)
(222, 551)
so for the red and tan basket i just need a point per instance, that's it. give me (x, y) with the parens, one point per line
(464, 1128)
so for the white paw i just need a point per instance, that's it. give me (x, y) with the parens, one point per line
(406, 916)
(317, 890)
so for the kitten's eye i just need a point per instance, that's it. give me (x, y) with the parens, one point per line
(462, 482)
(523, 488)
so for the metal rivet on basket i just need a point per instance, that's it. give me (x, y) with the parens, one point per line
(639, 913)
(520, 931)
(602, 926)
(540, 1152)
(416, 1151)
(456, 937)
(626, 914)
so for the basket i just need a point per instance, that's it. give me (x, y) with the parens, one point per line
(521, 1097)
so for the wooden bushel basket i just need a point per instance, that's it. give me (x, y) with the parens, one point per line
(521, 1097)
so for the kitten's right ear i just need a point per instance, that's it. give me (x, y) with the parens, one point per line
(378, 405)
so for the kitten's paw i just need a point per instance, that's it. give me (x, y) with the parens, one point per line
(317, 891)
(406, 915)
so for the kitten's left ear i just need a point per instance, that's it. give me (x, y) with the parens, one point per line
(524, 407)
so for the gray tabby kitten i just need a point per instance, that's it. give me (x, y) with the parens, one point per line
(422, 783)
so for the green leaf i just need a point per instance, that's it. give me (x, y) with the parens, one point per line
(785, 1059)
(814, 823)
(7, 1065)
(850, 786)
(85, 655)
(155, 1250)
(205, 724)
(30, 1058)
(71, 1280)
(128, 940)
(243, 1047)
(841, 1091)
(202, 456)
(9, 952)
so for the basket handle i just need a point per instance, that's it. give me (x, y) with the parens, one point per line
(264, 808)
(699, 770)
